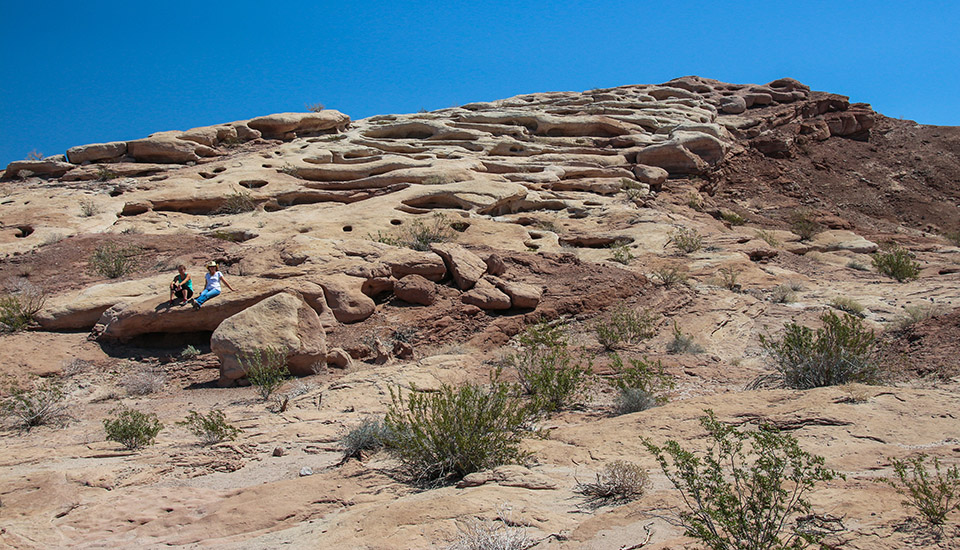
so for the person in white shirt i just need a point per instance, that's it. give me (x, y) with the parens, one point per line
(212, 288)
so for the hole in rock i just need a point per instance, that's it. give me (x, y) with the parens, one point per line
(435, 201)
(347, 228)
(219, 169)
(395, 222)
(253, 184)
(24, 231)
(266, 165)
(459, 227)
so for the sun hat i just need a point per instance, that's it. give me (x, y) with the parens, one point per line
(212, 264)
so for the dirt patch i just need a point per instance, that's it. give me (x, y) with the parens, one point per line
(928, 348)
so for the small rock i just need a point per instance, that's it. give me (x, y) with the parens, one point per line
(278, 451)
(306, 471)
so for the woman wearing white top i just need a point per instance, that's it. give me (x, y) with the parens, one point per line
(212, 288)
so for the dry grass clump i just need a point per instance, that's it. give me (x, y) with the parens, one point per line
(498, 534)
(18, 308)
(237, 202)
(783, 294)
(847, 304)
(418, 235)
(670, 276)
(143, 382)
(619, 481)
(113, 260)
(41, 404)
(686, 241)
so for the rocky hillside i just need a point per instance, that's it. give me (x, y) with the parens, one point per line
(404, 252)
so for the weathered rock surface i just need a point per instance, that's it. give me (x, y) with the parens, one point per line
(466, 267)
(346, 298)
(486, 296)
(97, 151)
(416, 290)
(287, 125)
(283, 321)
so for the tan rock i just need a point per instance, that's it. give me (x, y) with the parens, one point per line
(404, 261)
(97, 152)
(416, 290)
(345, 297)
(466, 267)
(282, 321)
(522, 295)
(52, 166)
(486, 296)
(288, 125)
(654, 176)
(166, 148)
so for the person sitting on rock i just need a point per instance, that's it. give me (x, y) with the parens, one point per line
(182, 286)
(212, 288)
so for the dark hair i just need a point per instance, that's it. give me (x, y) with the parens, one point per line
(181, 266)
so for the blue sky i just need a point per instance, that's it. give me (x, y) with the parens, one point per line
(76, 73)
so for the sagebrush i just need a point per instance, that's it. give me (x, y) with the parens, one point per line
(369, 436)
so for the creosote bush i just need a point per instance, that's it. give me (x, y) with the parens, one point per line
(897, 263)
(131, 428)
(41, 404)
(211, 428)
(113, 260)
(741, 493)
(266, 369)
(619, 481)
(18, 309)
(445, 435)
(369, 436)
(418, 235)
(625, 326)
(934, 494)
(641, 384)
(621, 252)
(686, 241)
(548, 370)
(842, 351)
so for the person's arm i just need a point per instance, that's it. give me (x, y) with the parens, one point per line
(224, 281)
(185, 281)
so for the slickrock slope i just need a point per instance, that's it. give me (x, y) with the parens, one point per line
(556, 206)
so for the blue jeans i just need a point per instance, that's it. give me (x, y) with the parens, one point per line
(206, 295)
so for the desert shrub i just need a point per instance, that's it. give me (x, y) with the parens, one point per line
(237, 202)
(857, 265)
(41, 404)
(953, 237)
(190, 352)
(897, 263)
(88, 208)
(847, 304)
(682, 343)
(842, 351)
(17, 309)
(768, 237)
(418, 235)
(211, 428)
(106, 174)
(728, 278)
(131, 428)
(633, 189)
(266, 369)
(113, 260)
(783, 294)
(804, 225)
(496, 534)
(314, 107)
(143, 382)
(621, 252)
(369, 436)
(934, 494)
(445, 435)
(686, 241)
(749, 484)
(670, 276)
(732, 217)
(625, 325)
(695, 202)
(35, 155)
(913, 314)
(641, 385)
(619, 481)
(548, 370)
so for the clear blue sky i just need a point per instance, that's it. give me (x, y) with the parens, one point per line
(82, 72)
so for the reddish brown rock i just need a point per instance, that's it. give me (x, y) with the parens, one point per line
(416, 290)
(466, 267)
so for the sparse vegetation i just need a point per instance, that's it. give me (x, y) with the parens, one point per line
(897, 263)
(211, 428)
(641, 385)
(499, 534)
(842, 351)
(369, 436)
(39, 405)
(131, 428)
(143, 382)
(749, 484)
(847, 304)
(548, 370)
(445, 435)
(695, 202)
(686, 241)
(783, 294)
(418, 235)
(804, 224)
(732, 217)
(113, 260)
(682, 343)
(670, 276)
(35, 155)
(237, 202)
(621, 252)
(266, 369)
(728, 278)
(190, 352)
(625, 325)
(619, 481)
(768, 237)
(227, 235)
(88, 208)
(314, 107)
(106, 174)
(953, 237)
(933, 493)
(914, 314)
(18, 309)
(633, 189)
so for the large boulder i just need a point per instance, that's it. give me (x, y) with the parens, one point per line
(346, 298)
(166, 148)
(486, 296)
(283, 321)
(82, 309)
(415, 289)
(97, 151)
(52, 166)
(466, 267)
(289, 125)
(404, 261)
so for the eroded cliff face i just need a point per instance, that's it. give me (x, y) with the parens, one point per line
(557, 206)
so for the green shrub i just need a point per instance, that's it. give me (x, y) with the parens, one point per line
(842, 351)
(547, 369)
(621, 252)
(39, 405)
(641, 385)
(370, 436)
(418, 235)
(625, 325)
(736, 503)
(619, 481)
(682, 343)
(106, 174)
(847, 304)
(113, 260)
(18, 309)
(934, 494)
(266, 369)
(728, 278)
(190, 352)
(897, 263)
(732, 217)
(88, 208)
(686, 241)
(768, 237)
(132, 428)
(670, 276)
(445, 435)
(803, 224)
(211, 428)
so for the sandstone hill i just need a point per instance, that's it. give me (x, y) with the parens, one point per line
(562, 207)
